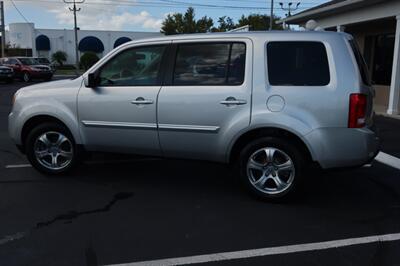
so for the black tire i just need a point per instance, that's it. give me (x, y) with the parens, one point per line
(39, 131)
(26, 77)
(290, 150)
(48, 78)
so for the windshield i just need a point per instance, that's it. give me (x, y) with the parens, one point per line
(28, 61)
(43, 60)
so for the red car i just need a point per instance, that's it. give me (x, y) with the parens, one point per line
(27, 68)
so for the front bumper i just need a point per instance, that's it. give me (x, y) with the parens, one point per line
(4, 76)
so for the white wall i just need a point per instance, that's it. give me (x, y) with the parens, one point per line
(24, 35)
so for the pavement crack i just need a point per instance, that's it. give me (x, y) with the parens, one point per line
(68, 216)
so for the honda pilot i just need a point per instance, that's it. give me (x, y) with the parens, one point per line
(269, 103)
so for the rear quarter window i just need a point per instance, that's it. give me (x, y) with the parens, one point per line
(362, 66)
(302, 63)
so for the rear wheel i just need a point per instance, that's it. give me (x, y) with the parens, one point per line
(51, 149)
(271, 168)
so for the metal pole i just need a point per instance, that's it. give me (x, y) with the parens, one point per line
(271, 15)
(76, 38)
(3, 30)
(74, 9)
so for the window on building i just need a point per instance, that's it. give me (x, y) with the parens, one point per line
(210, 64)
(134, 67)
(378, 53)
(297, 64)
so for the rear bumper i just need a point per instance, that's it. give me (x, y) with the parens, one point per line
(343, 147)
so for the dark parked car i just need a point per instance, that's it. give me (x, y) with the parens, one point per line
(46, 62)
(27, 68)
(6, 74)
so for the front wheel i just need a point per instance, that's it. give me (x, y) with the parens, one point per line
(51, 149)
(271, 168)
(26, 77)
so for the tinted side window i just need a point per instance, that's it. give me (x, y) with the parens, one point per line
(297, 64)
(134, 67)
(237, 64)
(210, 64)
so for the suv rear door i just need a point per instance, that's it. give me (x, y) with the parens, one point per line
(206, 97)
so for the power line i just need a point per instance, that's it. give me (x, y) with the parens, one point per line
(16, 8)
(174, 4)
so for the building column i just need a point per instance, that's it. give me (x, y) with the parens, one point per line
(340, 28)
(394, 97)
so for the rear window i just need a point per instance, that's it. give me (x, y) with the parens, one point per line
(362, 66)
(297, 64)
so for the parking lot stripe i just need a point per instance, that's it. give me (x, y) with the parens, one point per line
(11, 166)
(224, 256)
(388, 160)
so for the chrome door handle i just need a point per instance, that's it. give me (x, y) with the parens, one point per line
(141, 100)
(232, 101)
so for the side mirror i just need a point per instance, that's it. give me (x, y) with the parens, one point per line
(18, 65)
(91, 80)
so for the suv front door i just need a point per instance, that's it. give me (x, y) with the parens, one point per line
(120, 113)
(206, 97)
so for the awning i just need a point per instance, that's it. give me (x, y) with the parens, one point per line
(42, 43)
(121, 40)
(91, 44)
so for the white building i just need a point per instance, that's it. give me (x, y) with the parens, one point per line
(375, 24)
(44, 42)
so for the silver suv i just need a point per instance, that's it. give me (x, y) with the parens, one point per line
(270, 103)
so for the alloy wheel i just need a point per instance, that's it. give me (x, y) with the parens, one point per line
(270, 170)
(53, 150)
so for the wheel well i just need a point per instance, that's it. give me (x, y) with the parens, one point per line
(270, 132)
(33, 122)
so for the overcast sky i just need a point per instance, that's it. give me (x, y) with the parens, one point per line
(134, 15)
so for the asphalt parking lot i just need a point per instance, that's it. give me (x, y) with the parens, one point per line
(120, 209)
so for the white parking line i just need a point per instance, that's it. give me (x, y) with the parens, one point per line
(251, 253)
(12, 166)
(388, 160)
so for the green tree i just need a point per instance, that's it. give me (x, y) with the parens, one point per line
(224, 24)
(178, 23)
(60, 57)
(88, 59)
(258, 22)
(204, 24)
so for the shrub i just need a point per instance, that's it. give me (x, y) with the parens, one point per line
(60, 57)
(88, 59)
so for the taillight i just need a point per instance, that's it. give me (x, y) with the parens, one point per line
(357, 110)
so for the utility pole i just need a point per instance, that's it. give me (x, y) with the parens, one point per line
(271, 17)
(289, 9)
(3, 30)
(74, 9)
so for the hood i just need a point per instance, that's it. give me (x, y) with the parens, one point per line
(54, 84)
(4, 68)
(40, 66)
